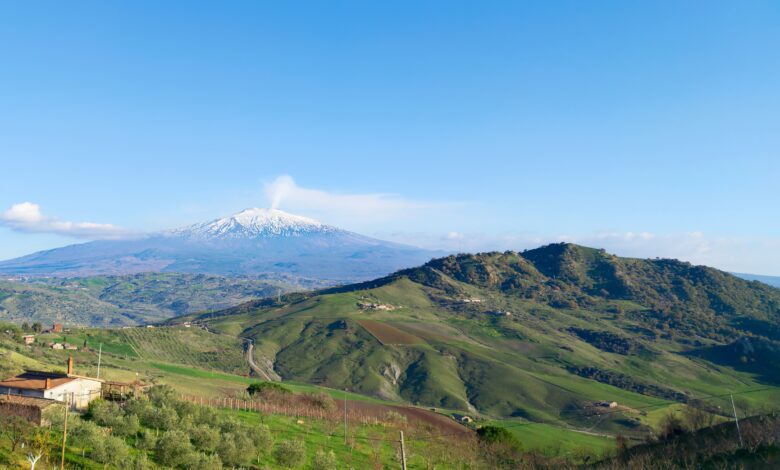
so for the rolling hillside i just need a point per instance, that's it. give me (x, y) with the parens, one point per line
(111, 301)
(542, 335)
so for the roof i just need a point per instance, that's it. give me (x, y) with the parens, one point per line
(34, 380)
(28, 401)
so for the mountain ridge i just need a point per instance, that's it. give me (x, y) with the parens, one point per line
(529, 334)
(251, 242)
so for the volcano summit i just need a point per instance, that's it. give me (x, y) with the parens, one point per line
(252, 242)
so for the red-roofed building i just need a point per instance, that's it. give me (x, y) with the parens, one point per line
(70, 388)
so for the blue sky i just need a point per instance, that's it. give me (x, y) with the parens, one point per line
(648, 128)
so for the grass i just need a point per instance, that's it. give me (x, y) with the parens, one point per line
(556, 441)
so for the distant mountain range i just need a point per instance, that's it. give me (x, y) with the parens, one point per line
(770, 280)
(251, 242)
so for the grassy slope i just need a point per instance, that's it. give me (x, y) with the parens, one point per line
(518, 365)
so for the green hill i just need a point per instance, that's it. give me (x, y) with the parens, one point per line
(541, 335)
(111, 301)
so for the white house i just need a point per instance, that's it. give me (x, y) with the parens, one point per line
(76, 390)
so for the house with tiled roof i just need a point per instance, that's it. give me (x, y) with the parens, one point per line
(73, 389)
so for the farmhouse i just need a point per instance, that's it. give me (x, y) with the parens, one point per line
(70, 388)
(28, 339)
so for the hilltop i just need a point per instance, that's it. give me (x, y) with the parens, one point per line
(543, 335)
(249, 243)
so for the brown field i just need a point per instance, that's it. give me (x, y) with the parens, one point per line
(388, 334)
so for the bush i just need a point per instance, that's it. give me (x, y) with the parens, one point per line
(290, 454)
(174, 449)
(324, 460)
(497, 435)
(267, 389)
(320, 400)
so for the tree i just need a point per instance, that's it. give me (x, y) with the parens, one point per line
(206, 462)
(262, 439)
(174, 449)
(147, 440)
(236, 449)
(15, 429)
(205, 438)
(290, 454)
(671, 426)
(127, 426)
(110, 450)
(37, 327)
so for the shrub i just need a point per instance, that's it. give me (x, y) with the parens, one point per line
(290, 454)
(319, 400)
(267, 389)
(497, 435)
(324, 460)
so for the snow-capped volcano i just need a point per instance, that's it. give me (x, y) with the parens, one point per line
(251, 242)
(253, 223)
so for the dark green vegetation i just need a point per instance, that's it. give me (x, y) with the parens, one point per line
(111, 301)
(539, 336)
(158, 430)
(677, 445)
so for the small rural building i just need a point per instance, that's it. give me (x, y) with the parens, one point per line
(463, 418)
(70, 388)
(28, 339)
(608, 404)
(56, 328)
(35, 410)
(113, 390)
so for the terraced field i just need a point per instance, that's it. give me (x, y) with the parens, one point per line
(188, 346)
(388, 334)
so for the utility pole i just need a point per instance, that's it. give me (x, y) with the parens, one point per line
(403, 452)
(65, 432)
(736, 420)
(345, 416)
(100, 356)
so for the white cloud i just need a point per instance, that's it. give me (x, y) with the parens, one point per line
(27, 217)
(349, 209)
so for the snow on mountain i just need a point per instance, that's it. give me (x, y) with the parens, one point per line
(251, 242)
(254, 223)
